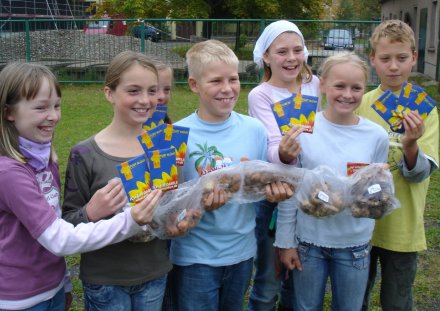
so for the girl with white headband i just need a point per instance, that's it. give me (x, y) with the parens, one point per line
(281, 52)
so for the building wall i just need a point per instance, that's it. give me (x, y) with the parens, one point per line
(409, 11)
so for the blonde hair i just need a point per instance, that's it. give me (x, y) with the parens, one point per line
(304, 76)
(19, 81)
(124, 61)
(161, 65)
(395, 31)
(203, 53)
(342, 58)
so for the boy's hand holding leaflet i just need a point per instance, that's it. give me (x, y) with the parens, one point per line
(402, 113)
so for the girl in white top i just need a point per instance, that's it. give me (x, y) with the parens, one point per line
(336, 247)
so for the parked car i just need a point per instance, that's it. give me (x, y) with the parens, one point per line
(150, 32)
(338, 39)
(108, 27)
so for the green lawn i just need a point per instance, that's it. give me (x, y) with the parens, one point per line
(85, 111)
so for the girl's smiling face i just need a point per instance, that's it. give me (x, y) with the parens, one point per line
(285, 57)
(135, 97)
(35, 119)
(344, 87)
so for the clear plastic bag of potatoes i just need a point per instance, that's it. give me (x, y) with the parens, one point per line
(372, 192)
(178, 211)
(323, 192)
(246, 182)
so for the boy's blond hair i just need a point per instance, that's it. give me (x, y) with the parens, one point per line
(203, 53)
(396, 31)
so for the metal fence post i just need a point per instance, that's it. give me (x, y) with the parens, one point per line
(143, 36)
(28, 42)
(262, 26)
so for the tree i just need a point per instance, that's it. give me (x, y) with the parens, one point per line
(133, 8)
(345, 11)
(270, 9)
(357, 10)
(283, 9)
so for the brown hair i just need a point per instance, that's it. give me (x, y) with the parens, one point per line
(19, 80)
(122, 62)
(395, 31)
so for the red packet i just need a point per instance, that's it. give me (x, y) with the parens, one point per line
(163, 169)
(353, 167)
(135, 178)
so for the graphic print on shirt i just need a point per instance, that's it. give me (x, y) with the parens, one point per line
(209, 158)
(395, 150)
(47, 186)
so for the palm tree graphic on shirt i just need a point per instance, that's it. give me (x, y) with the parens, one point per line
(206, 158)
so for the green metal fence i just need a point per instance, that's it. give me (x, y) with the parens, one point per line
(79, 50)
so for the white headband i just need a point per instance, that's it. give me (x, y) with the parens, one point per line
(269, 34)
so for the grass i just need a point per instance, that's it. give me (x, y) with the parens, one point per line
(85, 112)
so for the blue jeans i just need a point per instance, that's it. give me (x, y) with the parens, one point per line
(348, 272)
(202, 287)
(147, 296)
(267, 287)
(56, 303)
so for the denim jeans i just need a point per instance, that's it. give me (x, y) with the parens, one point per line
(147, 296)
(398, 272)
(348, 272)
(267, 286)
(202, 287)
(56, 303)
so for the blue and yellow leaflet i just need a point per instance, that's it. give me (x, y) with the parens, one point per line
(167, 136)
(411, 98)
(135, 178)
(151, 139)
(163, 169)
(298, 110)
(157, 118)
